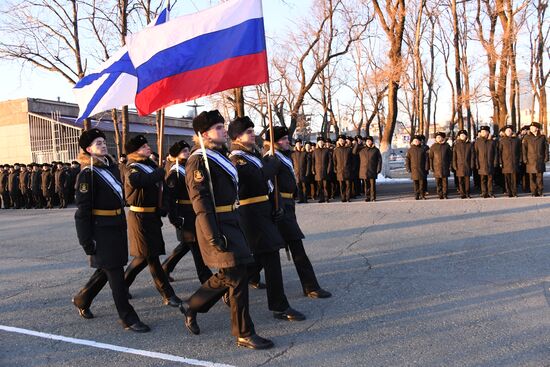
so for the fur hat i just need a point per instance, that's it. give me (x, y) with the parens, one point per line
(368, 137)
(279, 132)
(205, 120)
(176, 149)
(135, 143)
(239, 126)
(320, 138)
(88, 136)
(537, 125)
(485, 128)
(442, 134)
(465, 132)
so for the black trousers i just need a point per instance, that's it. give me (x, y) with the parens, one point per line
(203, 271)
(464, 185)
(442, 186)
(62, 200)
(15, 197)
(48, 202)
(486, 184)
(322, 190)
(511, 185)
(38, 200)
(236, 281)
(271, 263)
(345, 189)
(425, 184)
(159, 276)
(525, 185)
(536, 183)
(303, 266)
(419, 188)
(370, 188)
(97, 281)
(6, 201)
(302, 187)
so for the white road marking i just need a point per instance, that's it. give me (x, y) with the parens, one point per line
(116, 348)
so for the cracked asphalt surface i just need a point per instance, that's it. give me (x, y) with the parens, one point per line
(429, 283)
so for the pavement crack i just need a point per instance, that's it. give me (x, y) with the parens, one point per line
(276, 355)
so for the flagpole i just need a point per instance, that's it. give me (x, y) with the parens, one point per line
(272, 153)
(160, 150)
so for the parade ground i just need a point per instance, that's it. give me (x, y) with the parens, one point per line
(414, 283)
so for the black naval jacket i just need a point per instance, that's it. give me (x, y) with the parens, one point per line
(509, 154)
(463, 158)
(417, 162)
(321, 161)
(486, 155)
(142, 190)
(535, 153)
(441, 157)
(261, 232)
(108, 232)
(210, 227)
(288, 226)
(370, 161)
(177, 202)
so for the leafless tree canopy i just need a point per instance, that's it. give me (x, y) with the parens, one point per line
(354, 66)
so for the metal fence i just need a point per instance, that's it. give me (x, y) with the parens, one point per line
(52, 140)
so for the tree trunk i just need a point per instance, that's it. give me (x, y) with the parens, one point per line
(458, 82)
(239, 102)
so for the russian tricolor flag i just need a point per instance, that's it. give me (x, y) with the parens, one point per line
(200, 54)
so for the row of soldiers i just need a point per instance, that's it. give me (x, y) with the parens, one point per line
(508, 159)
(37, 185)
(232, 208)
(349, 166)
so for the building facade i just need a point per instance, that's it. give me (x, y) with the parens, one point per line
(39, 130)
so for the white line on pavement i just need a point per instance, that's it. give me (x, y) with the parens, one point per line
(116, 348)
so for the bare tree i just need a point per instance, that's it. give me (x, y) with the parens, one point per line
(44, 34)
(393, 24)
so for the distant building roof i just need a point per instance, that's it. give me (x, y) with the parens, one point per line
(107, 125)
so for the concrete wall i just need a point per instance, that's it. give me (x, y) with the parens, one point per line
(14, 144)
(13, 112)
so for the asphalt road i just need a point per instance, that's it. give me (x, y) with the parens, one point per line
(429, 283)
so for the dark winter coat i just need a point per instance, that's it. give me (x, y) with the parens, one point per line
(417, 162)
(535, 153)
(288, 226)
(463, 158)
(509, 154)
(370, 161)
(24, 179)
(107, 232)
(211, 226)
(13, 182)
(36, 182)
(441, 157)
(321, 161)
(486, 156)
(261, 232)
(47, 183)
(343, 165)
(302, 164)
(177, 202)
(142, 190)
